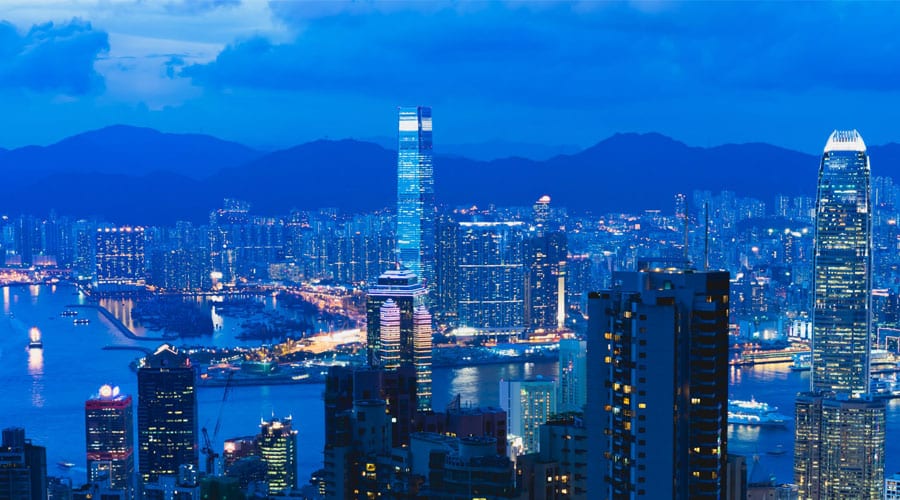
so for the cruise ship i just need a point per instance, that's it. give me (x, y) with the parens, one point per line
(754, 412)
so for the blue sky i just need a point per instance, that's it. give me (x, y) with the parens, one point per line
(273, 74)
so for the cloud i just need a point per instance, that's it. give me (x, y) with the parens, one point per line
(52, 57)
(191, 7)
(572, 52)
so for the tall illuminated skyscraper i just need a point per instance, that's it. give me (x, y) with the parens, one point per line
(109, 433)
(839, 429)
(167, 414)
(399, 329)
(120, 258)
(842, 268)
(277, 443)
(422, 356)
(415, 193)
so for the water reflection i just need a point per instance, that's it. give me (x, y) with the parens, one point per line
(36, 362)
(217, 320)
(36, 370)
(34, 290)
(6, 300)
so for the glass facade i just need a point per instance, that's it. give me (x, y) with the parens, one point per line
(491, 277)
(109, 438)
(843, 257)
(167, 414)
(277, 443)
(415, 193)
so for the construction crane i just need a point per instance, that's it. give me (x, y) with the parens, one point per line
(208, 450)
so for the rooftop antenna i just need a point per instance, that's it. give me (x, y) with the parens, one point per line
(706, 239)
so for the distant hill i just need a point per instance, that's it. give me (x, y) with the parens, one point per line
(122, 149)
(141, 176)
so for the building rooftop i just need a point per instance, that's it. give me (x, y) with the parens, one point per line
(845, 140)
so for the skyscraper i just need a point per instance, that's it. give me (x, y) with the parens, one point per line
(654, 326)
(23, 467)
(491, 278)
(415, 193)
(842, 261)
(389, 357)
(572, 382)
(422, 356)
(545, 281)
(397, 302)
(839, 429)
(277, 443)
(120, 258)
(167, 414)
(528, 404)
(109, 432)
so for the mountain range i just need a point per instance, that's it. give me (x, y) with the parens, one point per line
(141, 176)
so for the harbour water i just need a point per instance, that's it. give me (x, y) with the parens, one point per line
(44, 390)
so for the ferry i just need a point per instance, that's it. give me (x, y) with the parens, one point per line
(34, 338)
(68, 313)
(65, 465)
(80, 321)
(754, 413)
(802, 362)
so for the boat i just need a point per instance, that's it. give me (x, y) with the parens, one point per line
(754, 413)
(65, 465)
(801, 362)
(779, 450)
(34, 338)
(68, 313)
(80, 321)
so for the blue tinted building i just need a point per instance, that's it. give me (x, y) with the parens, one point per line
(842, 262)
(415, 193)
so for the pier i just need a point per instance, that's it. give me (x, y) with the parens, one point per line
(118, 324)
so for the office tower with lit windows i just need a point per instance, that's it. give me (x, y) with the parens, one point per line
(277, 444)
(397, 333)
(652, 326)
(446, 272)
(422, 347)
(572, 381)
(842, 268)
(839, 428)
(109, 438)
(389, 334)
(167, 414)
(545, 281)
(415, 193)
(528, 404)
(120, 258)
(491, 278)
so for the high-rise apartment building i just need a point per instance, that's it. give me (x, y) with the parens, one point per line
(397, 302)
(23, 467)
(653, 326)
(109, 439)
(491, 278)
(572, 381)
(839, 428)
(415, 193)
(528, 404)
(120, 257)
(167, 414)
(277, 444)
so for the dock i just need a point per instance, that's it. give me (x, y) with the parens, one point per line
(118, 324)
